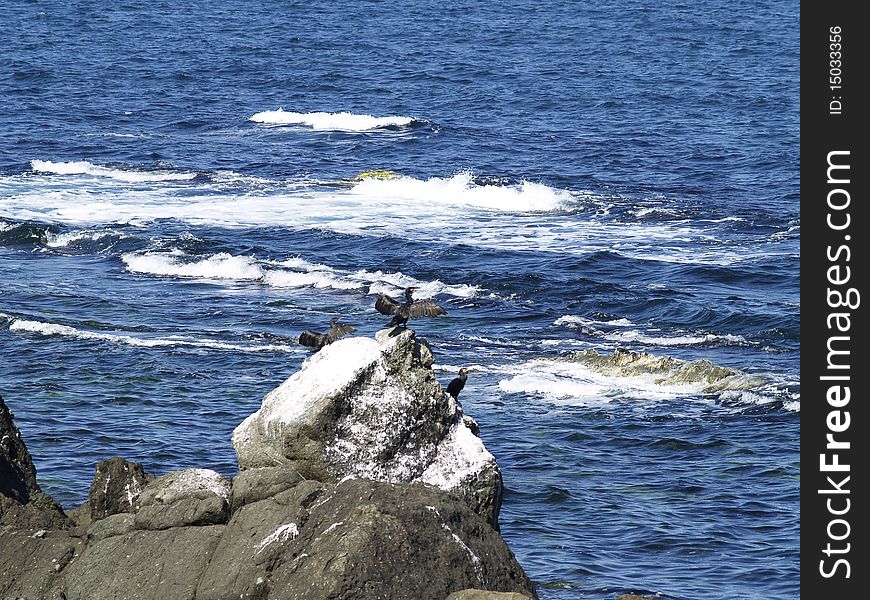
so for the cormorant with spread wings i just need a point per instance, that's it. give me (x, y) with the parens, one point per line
(319, 340)
(409, 309)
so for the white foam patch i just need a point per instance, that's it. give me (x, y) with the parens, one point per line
(460, 190)
(341, 121)
(65, 239)
(573, 383)
(224, 266)
(218, 266)
(574, 320)
(87, 168)
(652, 337)
(453, 209)
(55, 329)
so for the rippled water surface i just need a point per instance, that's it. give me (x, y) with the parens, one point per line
(178, 201)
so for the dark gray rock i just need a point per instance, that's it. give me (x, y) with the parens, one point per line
(184, 498)
(372, 409)
(113, 525)
(32, 563)
(486, 595)
(22, 503)
(116, 487)
(365, 539)
(17, 473)
(254, 539)
(143, 565)
(254, 485)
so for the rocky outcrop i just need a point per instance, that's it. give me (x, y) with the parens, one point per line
(116, 487)
(360, 479)
(184, 498)
(372, 409)
(22, 503)
(474, 594)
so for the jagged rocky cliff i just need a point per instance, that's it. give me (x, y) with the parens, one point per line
(359, 478)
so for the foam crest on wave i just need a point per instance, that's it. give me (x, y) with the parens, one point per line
(576, 384)
(588, 377)
(326, 121)
(56, 329)
(290, 273)
(652, 337)
(61, 240)
(461, 190)
(87, 168)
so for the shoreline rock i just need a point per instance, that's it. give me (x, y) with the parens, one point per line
(372, 409)
(359, 478)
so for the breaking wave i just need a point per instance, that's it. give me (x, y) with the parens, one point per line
(87, 168)
(589, 377)
(325, 121)
(290, 273)
(55, 329)
(461, 190)
(615, 331)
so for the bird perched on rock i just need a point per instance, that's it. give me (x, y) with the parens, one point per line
(455, 386)
(319, 340)
(409, 309)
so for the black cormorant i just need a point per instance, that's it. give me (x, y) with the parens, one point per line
(455, 386)
(409, 309)
(319, 340)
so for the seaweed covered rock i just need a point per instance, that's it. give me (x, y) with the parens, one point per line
(668, 370)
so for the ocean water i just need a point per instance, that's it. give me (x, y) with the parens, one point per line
(177, 204)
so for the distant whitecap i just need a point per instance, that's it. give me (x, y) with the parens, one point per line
(341, 121)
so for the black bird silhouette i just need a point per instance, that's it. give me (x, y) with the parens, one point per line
(319, 340)
(455, 386)
(409, 309)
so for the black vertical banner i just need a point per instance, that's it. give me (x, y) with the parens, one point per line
(835, 64)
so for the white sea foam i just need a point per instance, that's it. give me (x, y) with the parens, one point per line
(575, 320)
(574, 383)
(508, 217)
(87, 168)
(65, 239)
(460, 190)
(342, 121)
(300, 273)
(653, 337)
(56, 329)
(218, 266)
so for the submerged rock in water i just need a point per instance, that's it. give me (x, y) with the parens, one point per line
(372, 409)
(668, 370)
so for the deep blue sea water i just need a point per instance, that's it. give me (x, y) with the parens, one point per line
(575, 176)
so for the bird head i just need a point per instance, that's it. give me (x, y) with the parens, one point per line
(333, 321)
(463, 372)
(409, 291)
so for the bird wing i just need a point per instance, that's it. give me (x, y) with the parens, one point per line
(340, 330)
(312, 339)
(386, 305)
(425, 308)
